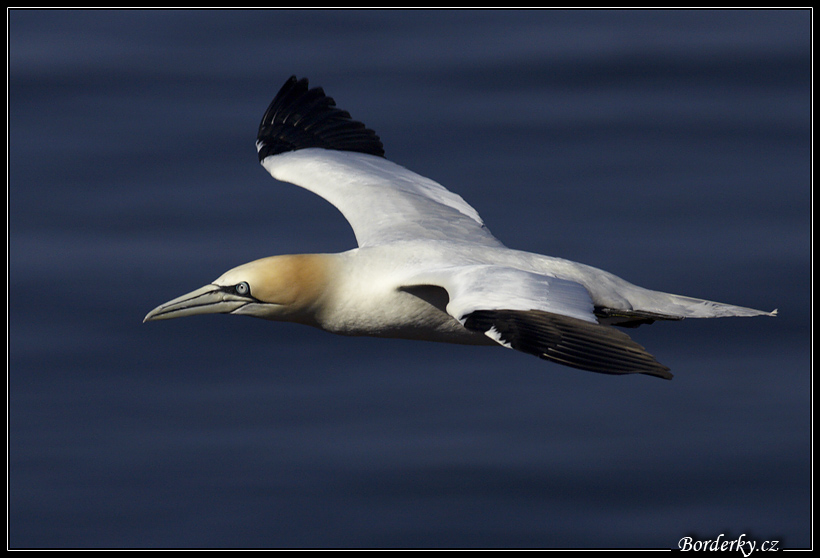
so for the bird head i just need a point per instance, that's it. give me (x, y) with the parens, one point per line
(283, 288)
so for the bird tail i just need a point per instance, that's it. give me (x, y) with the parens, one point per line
(688, 307)
(649, 306)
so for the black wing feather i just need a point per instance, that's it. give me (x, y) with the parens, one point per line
(300, 117)
(568, 341)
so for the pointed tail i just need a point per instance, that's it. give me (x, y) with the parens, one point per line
(677, 307)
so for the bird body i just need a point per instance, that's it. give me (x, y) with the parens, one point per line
(426, 267)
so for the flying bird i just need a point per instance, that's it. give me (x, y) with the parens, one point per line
(426, 267)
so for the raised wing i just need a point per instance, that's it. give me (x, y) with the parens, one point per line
(540, 315)
(382, 201)
(303, 139)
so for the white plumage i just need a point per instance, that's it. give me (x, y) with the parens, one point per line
(426, 266)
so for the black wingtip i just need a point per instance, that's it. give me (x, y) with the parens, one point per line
(568, 341)
(300, 117)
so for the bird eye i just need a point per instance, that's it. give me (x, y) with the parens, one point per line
(242, 288)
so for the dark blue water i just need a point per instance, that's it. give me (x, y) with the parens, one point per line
(671, 148)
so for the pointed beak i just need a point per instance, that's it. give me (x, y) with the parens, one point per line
(210, 299)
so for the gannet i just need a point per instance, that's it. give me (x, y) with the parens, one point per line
(426, 267)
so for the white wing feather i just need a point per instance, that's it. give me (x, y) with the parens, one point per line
(383, 202)
(492, 287)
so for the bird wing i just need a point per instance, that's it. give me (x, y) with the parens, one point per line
(537, 314)
(303, 139)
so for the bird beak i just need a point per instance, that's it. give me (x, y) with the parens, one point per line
(210, 299)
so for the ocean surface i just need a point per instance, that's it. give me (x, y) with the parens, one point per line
(671, 148)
